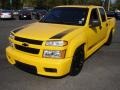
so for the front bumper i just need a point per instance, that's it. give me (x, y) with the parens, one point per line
(62, 66)
(6, 17)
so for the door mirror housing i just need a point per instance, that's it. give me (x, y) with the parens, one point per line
(95, 23)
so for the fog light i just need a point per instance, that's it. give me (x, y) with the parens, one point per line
(50, 70)
(11, 44)
(54, 54)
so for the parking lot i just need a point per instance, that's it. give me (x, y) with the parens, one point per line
(100, 72)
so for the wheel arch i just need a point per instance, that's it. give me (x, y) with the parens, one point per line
(77, 62)
(73, 47)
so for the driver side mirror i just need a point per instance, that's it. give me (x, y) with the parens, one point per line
(94, 23)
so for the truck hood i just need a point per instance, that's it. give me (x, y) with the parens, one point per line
(45, 31)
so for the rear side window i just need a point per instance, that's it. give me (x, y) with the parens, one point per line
(102, 13)
(94, 15)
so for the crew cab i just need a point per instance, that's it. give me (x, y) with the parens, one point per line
(62, 40)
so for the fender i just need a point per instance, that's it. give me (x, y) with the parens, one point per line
(74, 44)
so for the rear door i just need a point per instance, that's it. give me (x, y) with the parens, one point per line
(104, 24)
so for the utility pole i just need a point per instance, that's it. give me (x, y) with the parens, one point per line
(11, 3)
(103, 2)
(109, 3)
(21, 2)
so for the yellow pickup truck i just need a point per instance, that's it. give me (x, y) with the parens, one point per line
(61, 41)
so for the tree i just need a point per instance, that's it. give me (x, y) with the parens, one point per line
(52, 3)
(29, 3)
(64, 2)
(94, 2)
(117, 4)
(40, 3)
(3, 3)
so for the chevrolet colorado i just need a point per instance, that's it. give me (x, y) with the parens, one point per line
(62, 40)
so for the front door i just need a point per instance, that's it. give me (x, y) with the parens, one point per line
(93, 32)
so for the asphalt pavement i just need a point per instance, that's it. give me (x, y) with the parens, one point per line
(100, 72)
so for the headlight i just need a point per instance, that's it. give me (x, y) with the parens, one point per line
(56, 43)
(54, 54)
(12, 36)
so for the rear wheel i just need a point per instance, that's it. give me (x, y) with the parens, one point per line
(109, 41)
(77, 62)
(30, 17)
(20, 18)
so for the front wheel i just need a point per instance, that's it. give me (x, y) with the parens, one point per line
(77, 62)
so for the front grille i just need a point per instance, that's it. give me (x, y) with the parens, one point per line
(37, 42)
(27, 49)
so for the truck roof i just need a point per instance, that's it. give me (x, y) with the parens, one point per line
(80, 6)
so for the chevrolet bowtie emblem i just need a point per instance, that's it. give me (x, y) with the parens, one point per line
(25, 44)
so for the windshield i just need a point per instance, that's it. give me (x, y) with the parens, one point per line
(71, 16)
(24, 11)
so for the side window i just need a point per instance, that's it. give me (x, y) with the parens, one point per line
(94, 15)
(102, 13)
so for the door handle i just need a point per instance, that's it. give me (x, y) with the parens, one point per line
(106, 24)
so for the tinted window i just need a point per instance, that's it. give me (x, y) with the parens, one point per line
(42, 11)
(73, 16)
(24, 11)
(102, 13)
(6, 11)
(94, 15)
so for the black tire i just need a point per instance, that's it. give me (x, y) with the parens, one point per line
(109, 41)
(20, 18)
(30, 18)
(78, 61)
